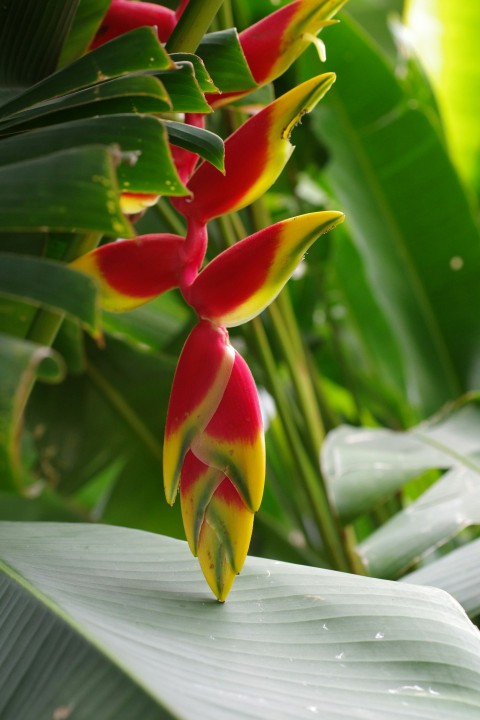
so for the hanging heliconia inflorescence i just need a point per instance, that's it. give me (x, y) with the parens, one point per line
(214, 451)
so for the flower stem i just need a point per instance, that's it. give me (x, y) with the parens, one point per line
(193, 24)
(328, 527)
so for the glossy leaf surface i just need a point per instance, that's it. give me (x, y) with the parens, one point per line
(340, 645)
(83, 182)
(139, 51)
(52, 285)
(141, 138)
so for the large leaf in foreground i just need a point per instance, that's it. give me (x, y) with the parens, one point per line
(121, 625)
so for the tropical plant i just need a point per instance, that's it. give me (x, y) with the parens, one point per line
(130, 229)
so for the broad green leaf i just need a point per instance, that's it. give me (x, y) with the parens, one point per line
(365, 465)
(85, 24)
(382, 367)
(376, 19)
(21, 362)
(50, 285)
(31, 37)
(137, 51)
(150, 169)
(203, 142)
(82, 185)
(224, 59)
(137, 94)
(420, 249)
(184, 90)
(444, 33)
(204, 80)
(121, 624)
(450, 505)
(457, 573)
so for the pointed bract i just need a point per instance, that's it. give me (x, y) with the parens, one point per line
(132, 272)
(224, 539)
(240, 282)
(272, 44)
(233, 440)
(255, 155)
(202, 374)
(198, 482)
(125, 15)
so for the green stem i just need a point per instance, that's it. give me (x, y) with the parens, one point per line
(166, 212)
(46, 324)
(225, 15)
(326, 522)
(299, 374)
(193, 24)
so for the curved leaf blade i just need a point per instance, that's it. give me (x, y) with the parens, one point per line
(141, 135)
(85, 24)
(82, 181)
(51, 285)
(225, 61)
(365, 465)
(456, 573)
(137, 51)
(202, 142)
(121, 95)
(290, 642)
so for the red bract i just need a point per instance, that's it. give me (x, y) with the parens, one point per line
(271, 45)
(255, 155)
(132, 272)
(125, 15)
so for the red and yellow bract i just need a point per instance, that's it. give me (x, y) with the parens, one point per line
(255, 155)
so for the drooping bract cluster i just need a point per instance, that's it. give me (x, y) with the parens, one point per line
(214, 452)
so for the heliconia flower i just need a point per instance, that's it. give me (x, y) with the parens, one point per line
(125, 15)
(197, 390)
(132, 272)
(255, 155)
(214, 449)
(271, 45)
(240, 282)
